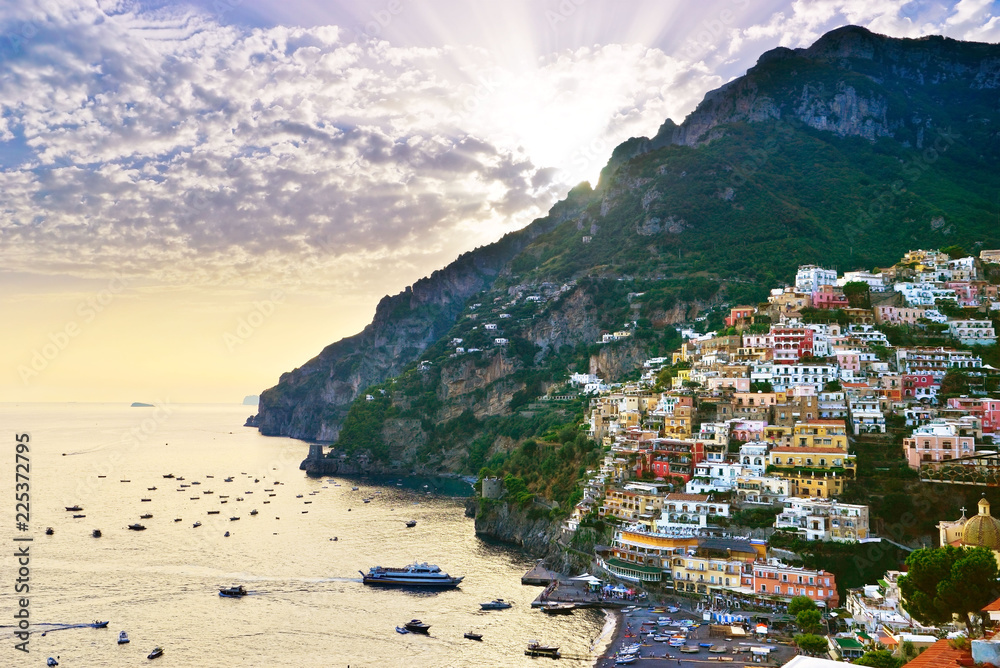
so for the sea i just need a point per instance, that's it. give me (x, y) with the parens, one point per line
(299, 557)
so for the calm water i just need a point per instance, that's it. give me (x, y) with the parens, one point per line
(307, 603)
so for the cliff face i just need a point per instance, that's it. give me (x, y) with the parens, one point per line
(513, 525)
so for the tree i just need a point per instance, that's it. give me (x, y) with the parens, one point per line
(800, 603)
(812, 644)
(880, 658)
(955, 252)
(809, 620)
(858, 294)
(954, 383)
(948, 581)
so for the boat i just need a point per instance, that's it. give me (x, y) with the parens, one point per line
(414, 575)
(233, 592)
(78, 516)
(367, 500)
(180, 477)
(145, 500)
(51, 662)
(229, 479)
(535, 648)
(690, 649)
(136, 527)
(717, 649)
(73, 509)
(621, 659)
(558, 608)
(168, 475)
(196, 525)
(495, 604)
(661, 638)
(96, 533)
(157, 652)
(122, 638)
(473, 636)
(49, 531)
(233, 519)
(208, 491)
(178, 519)
(195, 482)
(146, 516)
(151, 489)
(400, 629)
(100, 625)
(354, 489)
(214, 512)
(225, 535)
(253, 512)
(411, 523)
(417, 626)
(298, 496)
(708, 644)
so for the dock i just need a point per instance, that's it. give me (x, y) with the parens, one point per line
(539, 575)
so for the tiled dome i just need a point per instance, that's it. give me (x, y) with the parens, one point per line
(983, 529)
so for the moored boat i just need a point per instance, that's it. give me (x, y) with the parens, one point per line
(100, 625)
(535, 648)
(558, 608)
(411, 523)
(123, 638)
(400, 629)
(690, 649)
(196, 525)
(49, 531)
(157, 652)
(136, 527)
(473, 636)
(146, 516)
(96, 533)
(73, 509)
(414, 575)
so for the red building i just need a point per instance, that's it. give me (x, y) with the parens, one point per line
(791, 343)
(987, 410)
(918, 386)
(737, 314)
(671, 457)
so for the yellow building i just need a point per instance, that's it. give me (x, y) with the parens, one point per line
(982, 530)
(817, 472)
(820, 434)
(683, 375)
(639, 503)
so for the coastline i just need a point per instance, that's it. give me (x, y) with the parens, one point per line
(611, 637)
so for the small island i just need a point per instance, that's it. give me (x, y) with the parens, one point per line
(139, 404)
(251, 400)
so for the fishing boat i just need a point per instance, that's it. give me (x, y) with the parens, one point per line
(473, 636)
(233, 592)
(417, 626)
(96, 533)
(622, 659)
(558, 608)
(78, 516)
(73, 509)
(49, 531)
(196, 525)
(136, 527)
(253, 512)
(411, 523)
(414, 575)
(157, 652)
(123, 638)
(168, 475)
(535, 648)
(495, 604)
(400, 629)
(690, 649)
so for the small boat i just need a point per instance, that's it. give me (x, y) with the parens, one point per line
(661, 638)
(473, 636)
(214, 512)
(233, 592)
(210, 476)
(196, 525)
(708, 644)
(49, 531)
(354, 489)
(400, 629)
(225, 535)
(136, 527)
(271, 495)
(78, 516)
(168, 475)
(717, 649)
(177, 519)
(195, 482)
(223, 501)
(194, 498)
(253, 512)
(307, 502)
(145, 500)
(96, 533)
(208, 491)
(223, 496)
(51, 662)
(535, 648)
(73, 509)
(157, 652)
(229, 479)
(146, 516)
(180, 477)
(100, 625)
(239, 498)
(411, 523)
(233, 519)
(367, 500)
(298, 496)
(558, 608)
(690, 649)
(495, 604)
(417, 626)
(151, 489)
(122, 638)
(622, 659)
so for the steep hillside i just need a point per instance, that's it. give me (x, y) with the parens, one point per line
(847, 154)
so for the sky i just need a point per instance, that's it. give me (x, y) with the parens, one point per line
(197, 197)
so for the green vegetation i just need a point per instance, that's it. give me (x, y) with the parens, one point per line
(948, 581)
(880, 658)
(812, 644)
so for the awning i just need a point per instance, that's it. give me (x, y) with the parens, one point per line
(761, 629)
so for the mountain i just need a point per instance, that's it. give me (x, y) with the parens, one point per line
(846, 154)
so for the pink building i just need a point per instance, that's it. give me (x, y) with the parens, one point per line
(936, 442)
(849, 361)
(738, 384)
(987, 410)
(828, 296)
(894, 315)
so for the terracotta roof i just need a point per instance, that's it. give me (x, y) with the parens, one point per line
(939, 655)
(993, 607)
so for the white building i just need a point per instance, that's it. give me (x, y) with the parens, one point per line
(866, 417)
(753, 457)
(824, 519)
(809, 278)
(876, 282)
(973, 332)
(689, 511)
(714, 477)
(787, 376)
(923, 294)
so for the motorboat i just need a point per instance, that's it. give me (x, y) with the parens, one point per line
(151, 489)
(414, 575)
(136, 527)
(233, 519)
(558, 608)
(178, 519)
(49, 531)
(622, 659)
(146, 516)
(411, 523)
(229, 479)
(690, 649)
(495, 604)
(75, 517)
(73, 509)
(535, 648)
(253, 512)
(168, 475)
(417, 626)
(96, 533)
(214, 512)
(661, 638)
(473, 636)
(233, 592)
(51, 662)
(145, 500)
(123, 638)
(400, 629)
(225, 535)
(100, 625)
(298, 496)
(196, 525)
(157, 652)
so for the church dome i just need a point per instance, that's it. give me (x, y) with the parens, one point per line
(983, 529)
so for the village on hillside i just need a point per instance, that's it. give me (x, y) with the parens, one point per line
(765, 414)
